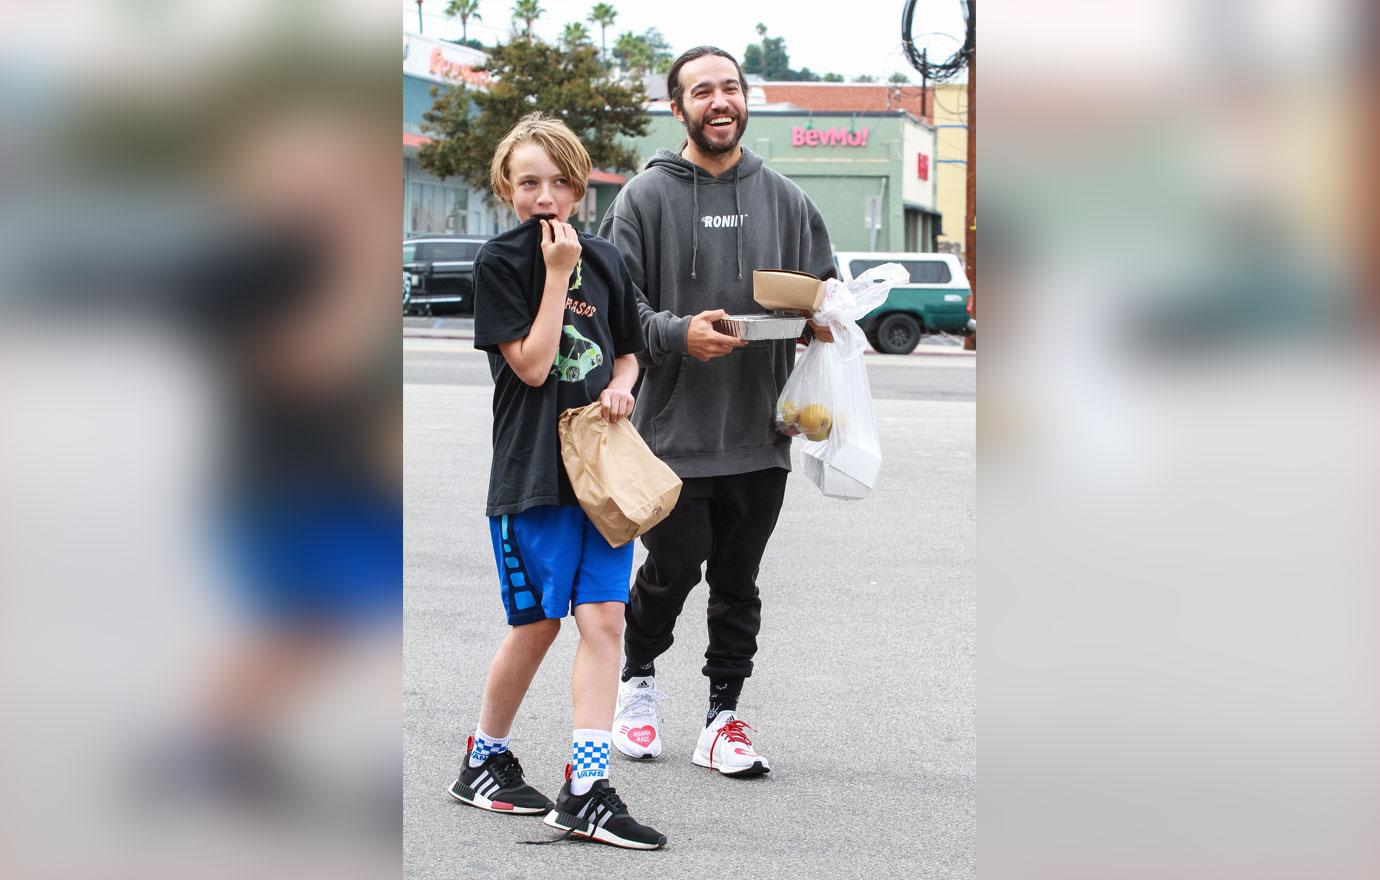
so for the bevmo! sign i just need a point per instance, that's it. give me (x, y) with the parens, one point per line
(829, 137)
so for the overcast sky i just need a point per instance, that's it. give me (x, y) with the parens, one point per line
(851, 38)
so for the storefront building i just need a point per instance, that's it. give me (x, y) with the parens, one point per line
(872, 175)
(432, 205)
(951, 128)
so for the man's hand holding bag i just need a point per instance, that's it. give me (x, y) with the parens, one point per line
(621, 485)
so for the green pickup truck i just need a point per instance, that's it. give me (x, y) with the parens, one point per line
(936, 300)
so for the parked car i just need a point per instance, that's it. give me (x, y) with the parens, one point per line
(935, 300)
(441, 270)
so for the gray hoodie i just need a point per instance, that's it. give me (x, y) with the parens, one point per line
(691, 242)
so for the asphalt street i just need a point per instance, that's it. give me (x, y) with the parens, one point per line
(864, 696)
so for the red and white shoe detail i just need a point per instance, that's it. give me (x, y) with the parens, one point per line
(636, 725)
(725, 746)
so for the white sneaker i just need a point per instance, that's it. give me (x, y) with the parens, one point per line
(637, 723)
(724, 746)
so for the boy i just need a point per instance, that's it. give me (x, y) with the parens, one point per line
(556, 311)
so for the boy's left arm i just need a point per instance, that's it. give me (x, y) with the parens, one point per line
(616, 401)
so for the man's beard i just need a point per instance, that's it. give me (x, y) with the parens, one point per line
(696, 133)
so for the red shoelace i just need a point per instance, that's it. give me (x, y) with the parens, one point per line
(732, 732)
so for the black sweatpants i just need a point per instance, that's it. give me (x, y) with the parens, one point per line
(724, 521)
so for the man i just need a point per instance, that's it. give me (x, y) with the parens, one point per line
(691, 228)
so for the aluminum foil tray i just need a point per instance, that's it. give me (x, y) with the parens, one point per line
(761, 326)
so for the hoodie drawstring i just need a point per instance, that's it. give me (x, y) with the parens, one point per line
(695, 221)
(738, 221)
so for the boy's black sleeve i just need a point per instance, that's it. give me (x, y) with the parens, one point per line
(624, 323)
(502, 312)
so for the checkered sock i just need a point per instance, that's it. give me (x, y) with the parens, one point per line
(589, 759)
(485, 745)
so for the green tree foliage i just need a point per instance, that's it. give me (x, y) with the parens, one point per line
(575, 34)
(752, 59)
(464, 10)
(772, 62)
(632, 53)
(864, 79)
(833, 78)
(661, 51)
(898, 77)
(776, 61)
(527, 11)
(528, 75)
(603, 14)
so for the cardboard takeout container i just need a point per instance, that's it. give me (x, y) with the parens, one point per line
(784, 290)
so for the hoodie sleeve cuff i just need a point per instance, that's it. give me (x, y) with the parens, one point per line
(678, 330)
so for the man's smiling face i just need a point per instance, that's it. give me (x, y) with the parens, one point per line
(712, 108)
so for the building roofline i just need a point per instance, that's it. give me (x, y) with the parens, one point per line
(801, 111)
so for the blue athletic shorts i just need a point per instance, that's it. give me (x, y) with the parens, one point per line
(552, 558)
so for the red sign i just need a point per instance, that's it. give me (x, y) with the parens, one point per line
(443, 66)
(828, 137)
(922, 169)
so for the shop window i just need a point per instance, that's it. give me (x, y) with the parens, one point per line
(921, 271)
(439, 209)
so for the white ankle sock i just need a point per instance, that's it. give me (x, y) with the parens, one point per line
(589, 759)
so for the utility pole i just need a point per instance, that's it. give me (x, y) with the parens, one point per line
(970, 218)
(419, 16)
(925, 84)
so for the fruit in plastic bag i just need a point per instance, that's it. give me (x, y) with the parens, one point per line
(815, 419)
(788, 413)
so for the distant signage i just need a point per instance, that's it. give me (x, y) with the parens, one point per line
(440, 61)
(449, 69)
(828, 137)
(922, 166)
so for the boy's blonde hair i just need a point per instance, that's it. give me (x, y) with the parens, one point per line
(552, 135)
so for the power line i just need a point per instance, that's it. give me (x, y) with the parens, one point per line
(956, 63)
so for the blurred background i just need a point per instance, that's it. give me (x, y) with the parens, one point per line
(200, 460)
(1177, 436)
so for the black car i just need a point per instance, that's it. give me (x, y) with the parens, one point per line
(442, 272)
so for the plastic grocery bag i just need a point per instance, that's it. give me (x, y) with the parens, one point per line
(827, 400)
(620, 483)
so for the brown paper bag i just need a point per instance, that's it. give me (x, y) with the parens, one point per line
(622, 486)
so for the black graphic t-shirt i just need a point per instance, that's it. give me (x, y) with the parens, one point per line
(600, 324)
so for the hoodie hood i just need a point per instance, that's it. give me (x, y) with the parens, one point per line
(667, 162)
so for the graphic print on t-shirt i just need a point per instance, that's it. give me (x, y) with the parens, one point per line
(576, 357)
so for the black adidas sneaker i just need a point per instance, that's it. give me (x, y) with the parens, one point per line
(497, 785)
(600, 814)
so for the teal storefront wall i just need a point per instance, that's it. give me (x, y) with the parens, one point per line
(837, 178)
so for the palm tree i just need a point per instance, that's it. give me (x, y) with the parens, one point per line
(464, 10)
(528, 11)
(603, 15)
(574, 34)
(634, 52)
